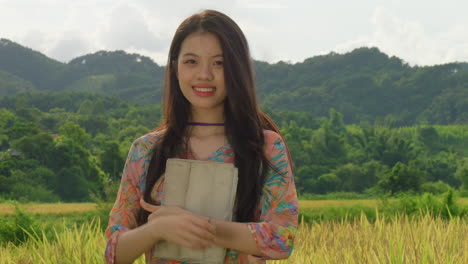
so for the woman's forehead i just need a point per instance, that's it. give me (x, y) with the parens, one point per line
(201, 44)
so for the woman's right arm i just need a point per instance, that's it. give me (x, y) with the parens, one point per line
(127, 241)
(134, 243)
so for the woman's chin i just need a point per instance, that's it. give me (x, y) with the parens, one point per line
(205, 106)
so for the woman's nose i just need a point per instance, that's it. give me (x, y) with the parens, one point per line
(205, 72)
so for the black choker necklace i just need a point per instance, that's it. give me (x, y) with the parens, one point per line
(204, 124)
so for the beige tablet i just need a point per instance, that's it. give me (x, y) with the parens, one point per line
(203, 187)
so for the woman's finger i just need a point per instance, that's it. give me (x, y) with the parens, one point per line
(181, 229)
(200, 228)
(202, 222)
(148, 207)
(188, 242)
(152, 216)
(202, 233)
(197, 238)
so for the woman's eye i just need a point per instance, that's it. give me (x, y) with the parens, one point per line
(218, 63)
(190, 61)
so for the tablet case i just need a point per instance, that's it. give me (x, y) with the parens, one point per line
(203, 187)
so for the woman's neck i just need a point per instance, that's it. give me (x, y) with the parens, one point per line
(206, 131)
(207, 116)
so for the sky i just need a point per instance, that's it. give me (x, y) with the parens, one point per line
(420, 32)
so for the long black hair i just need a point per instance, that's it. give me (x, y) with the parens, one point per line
(244, 121)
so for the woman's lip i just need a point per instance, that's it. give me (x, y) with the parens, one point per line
(203, 86)
(206, 93)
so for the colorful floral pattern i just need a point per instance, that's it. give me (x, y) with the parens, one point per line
(277, 226)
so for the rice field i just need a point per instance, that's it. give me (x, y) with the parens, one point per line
(48, 208)
(73, 208)
(307, 204)
(401, 240)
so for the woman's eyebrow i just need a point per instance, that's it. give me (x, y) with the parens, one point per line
(195, 55)
(190, 54)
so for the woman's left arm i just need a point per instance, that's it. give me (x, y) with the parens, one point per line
(273, 236)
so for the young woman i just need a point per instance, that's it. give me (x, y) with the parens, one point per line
(210, 113)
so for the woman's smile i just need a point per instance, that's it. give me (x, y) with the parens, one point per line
(200, 72)
(204, 90)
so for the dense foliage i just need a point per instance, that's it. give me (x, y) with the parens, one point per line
(365, 84)
(360, 122)
(69, 145)
(69, 151)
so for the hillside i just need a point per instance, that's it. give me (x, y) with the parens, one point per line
(365, 85)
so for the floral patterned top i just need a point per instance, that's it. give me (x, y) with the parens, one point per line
(278, 209)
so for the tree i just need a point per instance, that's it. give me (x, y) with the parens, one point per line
(7, 118)
(72, 185)
(352, 178)
(45, 177)
(438, 187)
(88, 107)
(24, 185)
(307, 176)
(328, 146)
(94, 124)
(441, 167)
(21, 128)
(336, 123)
(112, 161)
(429, 137)
(402, 178)
(398, 150)
(74, 132)
(462, 173)
(39, 147)
(298, 139)
(328, 182)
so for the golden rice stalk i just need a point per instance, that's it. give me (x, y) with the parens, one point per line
(403, 239)
(422, 239)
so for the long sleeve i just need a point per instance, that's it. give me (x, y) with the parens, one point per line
(275, 232)
(124, 214)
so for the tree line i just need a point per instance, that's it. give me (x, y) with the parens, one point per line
(69, 146)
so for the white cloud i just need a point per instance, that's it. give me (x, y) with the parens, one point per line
(35, 39)
(70, 44)
(409, 40)
(275, 29)
(261, 4)
(127, 29)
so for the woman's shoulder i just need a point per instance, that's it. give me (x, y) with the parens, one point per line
(143, 146)
(149, 139)
(270, 135)
(273, 140)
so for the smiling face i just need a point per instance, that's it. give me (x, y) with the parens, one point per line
(200, 71)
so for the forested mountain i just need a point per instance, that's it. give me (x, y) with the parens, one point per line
(128, 76)
(365, 84)
(358, 122)
(28, 65)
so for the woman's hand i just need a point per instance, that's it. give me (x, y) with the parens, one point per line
(180, 226)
